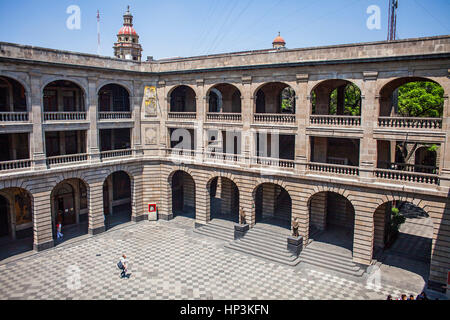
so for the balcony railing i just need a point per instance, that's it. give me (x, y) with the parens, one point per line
(13, 116)
(279, 118)
(224, 157)
(224, 117)
(15, 165)
(65, 159)
(333, 168)
(410, 123)
(334, 120)
(64, 116)
(274, 162)
(408, 167)
(182, 115)
(111, 154)
(114, 115)
(407, 176)
(181, 153)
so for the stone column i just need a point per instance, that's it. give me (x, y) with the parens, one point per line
(198, 126)
(93, 147)
(42, 221)
(368, 145)
(38, 135)
(302, 113)
(445, 149)
(95, 206)
(136, 100)
(363, 234)
(201, 201)
(137, 213)
(247, 117)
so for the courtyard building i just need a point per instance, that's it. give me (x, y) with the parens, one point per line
(312, 135)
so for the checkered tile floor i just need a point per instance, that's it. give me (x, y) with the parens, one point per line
(168, 261)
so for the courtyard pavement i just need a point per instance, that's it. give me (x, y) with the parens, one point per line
(169, 261)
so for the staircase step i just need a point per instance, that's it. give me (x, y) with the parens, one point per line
(327, 258)
(268, 236)
(264, 244)
(326, 252)
(241, 247)
(220, 232)
(282, 252)
(358, 273)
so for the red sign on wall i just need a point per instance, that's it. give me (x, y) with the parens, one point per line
(151, 207)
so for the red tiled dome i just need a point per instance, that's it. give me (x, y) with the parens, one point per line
(127, 30)
(279, 40)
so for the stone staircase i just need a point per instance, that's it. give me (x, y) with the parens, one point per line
(215, 230)
(316, 254)
(265, 244)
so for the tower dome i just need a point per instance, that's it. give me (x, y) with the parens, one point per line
(279, 42)
(127, 45)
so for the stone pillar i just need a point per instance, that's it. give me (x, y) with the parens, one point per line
(93, 147)
(340, 99)
(368, 145)
(302, 113)
(445, 148)
(201, 116)
(38, 135)
(320, 149)
(136, 100)
(137, 213)
(363, 235)
(247, 117)
(95, 206)
(379, 224)
(201, 201)
(42, 221)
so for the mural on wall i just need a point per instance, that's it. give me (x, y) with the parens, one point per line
(22, 207)
(150, 100)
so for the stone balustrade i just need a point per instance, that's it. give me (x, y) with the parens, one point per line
(112, 154)
(333, 168)
(279, 118)
(335, 120)
(66, 159)
(13, 116)
(410, 123)
(15, 165)
(114, 115)
(64, 116)
(224, 157)
(274, 162)
(182, 115)
(407, 176)
(408, 167)
(223, 117)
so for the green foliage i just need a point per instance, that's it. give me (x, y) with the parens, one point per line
(287, 100)
(433, 147)
(420, 99)
(396, 220)
(352, 101)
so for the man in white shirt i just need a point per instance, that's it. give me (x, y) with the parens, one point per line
(124, 262)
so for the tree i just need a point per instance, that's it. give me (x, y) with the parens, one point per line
(420, 99)
(287, 100)
(352, 101)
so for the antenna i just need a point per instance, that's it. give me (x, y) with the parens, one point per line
(98, 32)
(392, 18)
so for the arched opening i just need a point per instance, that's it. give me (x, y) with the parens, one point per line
(69, 209)
(331, 221)
(224, 98)
(224, 199)
(63, 96)
(183, 194)
(336, 97)
(117, 199)
(16, 222)
(426, 160)
(183, 99)
(113, 98)
(412, 97)
(273, 205)
(275, 97)
(12, 96)
(403, 236)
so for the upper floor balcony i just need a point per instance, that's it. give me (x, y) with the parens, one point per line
(274, 103)
(115, 143)
(336, 103)
(13, 101)
(182, 103)
(114, 103)
(224, 104)
(65, 147)
(15, 155)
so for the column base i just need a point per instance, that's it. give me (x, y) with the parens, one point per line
(166, 217)
(240, 230)
(96, 231)
(43, 246)
(295, 245)
(139, 218)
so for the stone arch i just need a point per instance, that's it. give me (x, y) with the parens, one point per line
(188, 89)
(229, 202)
(27, 92)
(170, 194)
(222, 174)
(271, 101)
(22, 82)
(226, 97)
(327, 188)
(322, 91)
(80, 83)
(387, 87)
(123, 84)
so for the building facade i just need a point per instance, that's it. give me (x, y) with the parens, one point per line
(87, 134)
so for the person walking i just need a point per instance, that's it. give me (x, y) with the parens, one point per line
(123, 265)
(59, 235)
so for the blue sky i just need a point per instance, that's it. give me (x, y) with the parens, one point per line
(184, 28)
